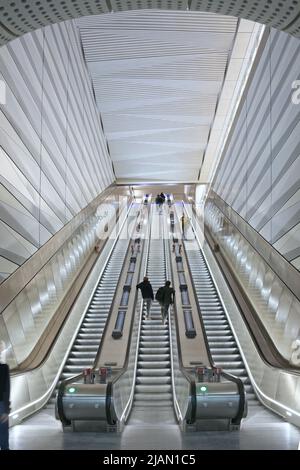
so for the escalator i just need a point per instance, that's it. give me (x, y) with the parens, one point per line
(86, 345)
(87, 334)
(151, 350)
(153, 392)
(234, 349)
(153, 402)
(223, 347)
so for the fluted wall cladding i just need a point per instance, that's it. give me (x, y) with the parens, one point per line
(21, 16)
(53, 153)
(259, 174)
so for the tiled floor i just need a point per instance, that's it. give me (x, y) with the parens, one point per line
(260, 430)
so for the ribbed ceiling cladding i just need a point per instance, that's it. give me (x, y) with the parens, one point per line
(181, 71)
(119, 94)
(157, 76)
(136, 54)
(21, 16)
(132, 51)
(123, 123)
(174, 20)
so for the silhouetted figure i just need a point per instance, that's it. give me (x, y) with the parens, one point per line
(182, 218)
(159, 202)
(165, 296)
(147, 294)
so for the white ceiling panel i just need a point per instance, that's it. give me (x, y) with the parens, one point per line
(157, 77)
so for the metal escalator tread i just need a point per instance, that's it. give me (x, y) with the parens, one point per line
(222, 344)
(153, 387)
(86, 344)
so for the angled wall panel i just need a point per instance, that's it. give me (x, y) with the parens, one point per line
(259, 175)
(53, 155)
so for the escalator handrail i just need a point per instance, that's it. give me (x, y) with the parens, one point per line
(40, 401)
(258, 388)
(193, 395)
(241, 389)
(110, 391)
(63, 384)
(60, 407)
(277, 360)
(226, 375)
(108, 405)
(113, 303)
(111, 189)
(187, 376)
(18, 370)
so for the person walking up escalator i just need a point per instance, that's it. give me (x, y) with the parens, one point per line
(147, 294)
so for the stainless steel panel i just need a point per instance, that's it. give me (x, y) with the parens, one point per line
(277, 389)
(20, 278)
(85, 408)
(31, 390)
(220, 400)
(274, 302)
(29, 313)
(87, 402)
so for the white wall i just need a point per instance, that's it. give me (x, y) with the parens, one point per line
(259, 175)
(53, 158)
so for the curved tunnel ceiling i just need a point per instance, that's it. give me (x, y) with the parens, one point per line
(157, 78)
(158, 75)
(21, 16)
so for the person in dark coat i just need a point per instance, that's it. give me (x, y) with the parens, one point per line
(147, 294)
(168, 296)
(159, 202)
(182, 218)
(4, 405)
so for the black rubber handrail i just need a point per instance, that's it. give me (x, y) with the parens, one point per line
(277, 359)
(18, 370)
(242, 403)
(65, 382)
(113, 303)
(226, 375)
(117, 377)
(188, 377)
(111, 188)
(60, 408)
(108, 405)
(193, 395)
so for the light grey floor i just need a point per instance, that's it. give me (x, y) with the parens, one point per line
(260, 430)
